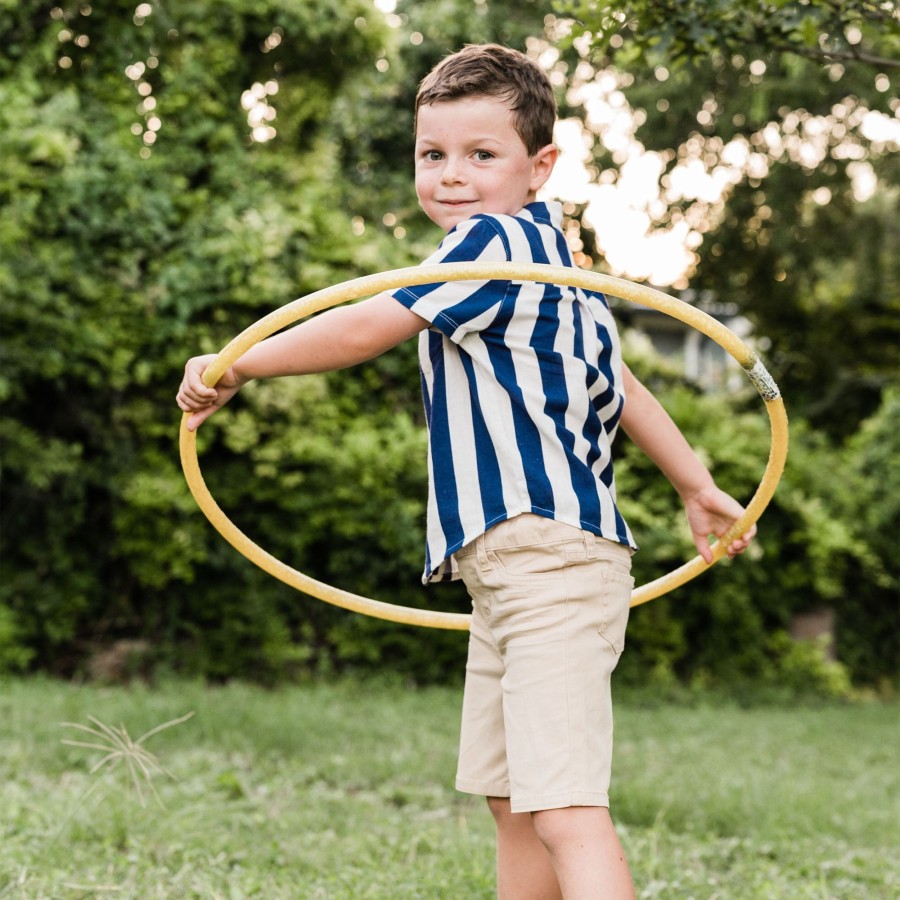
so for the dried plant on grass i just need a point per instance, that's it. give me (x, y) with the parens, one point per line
(120, 749)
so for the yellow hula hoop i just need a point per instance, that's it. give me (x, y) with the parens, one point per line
(384, 281)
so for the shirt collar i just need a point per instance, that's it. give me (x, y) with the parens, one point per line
(548, 212)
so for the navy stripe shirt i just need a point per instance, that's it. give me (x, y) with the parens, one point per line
(522, 385)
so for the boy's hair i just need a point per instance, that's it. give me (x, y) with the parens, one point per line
(489, 70)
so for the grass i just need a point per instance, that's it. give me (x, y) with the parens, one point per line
(345, 791)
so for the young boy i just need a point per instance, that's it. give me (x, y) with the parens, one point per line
(524, 391)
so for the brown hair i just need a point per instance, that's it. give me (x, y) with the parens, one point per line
(489, 70)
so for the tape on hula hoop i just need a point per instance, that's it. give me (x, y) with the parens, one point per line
(572, 277)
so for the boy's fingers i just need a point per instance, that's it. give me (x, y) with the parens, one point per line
(702, 545)
(739, 545)
(197, 392)
(194, 421)
(190, 403)
(196, 387)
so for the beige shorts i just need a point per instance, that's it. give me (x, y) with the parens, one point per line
(549, 609)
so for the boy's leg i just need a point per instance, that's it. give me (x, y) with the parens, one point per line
(572, 853)
(585, 852)
(557, 603)
(524, 869)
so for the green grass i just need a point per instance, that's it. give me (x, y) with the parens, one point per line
(345, 791)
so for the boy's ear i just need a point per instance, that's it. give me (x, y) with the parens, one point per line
(542, 165)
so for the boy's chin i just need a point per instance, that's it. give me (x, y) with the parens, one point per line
(448, 223)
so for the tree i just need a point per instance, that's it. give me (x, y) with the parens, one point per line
(170, 173)
(850, 31)
(868, 499)
(144, 216)
(770, 132)
(778, 171)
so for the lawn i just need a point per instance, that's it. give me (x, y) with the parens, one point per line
(345, 791)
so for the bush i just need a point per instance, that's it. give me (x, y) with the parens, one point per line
(867, 498)
(719, 628)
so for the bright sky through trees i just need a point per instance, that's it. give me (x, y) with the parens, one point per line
(640, 232)
(649, 221)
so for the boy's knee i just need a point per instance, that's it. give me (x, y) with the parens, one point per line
(560, 827)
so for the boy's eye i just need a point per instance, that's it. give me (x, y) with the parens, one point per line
(433, 155)
(483, 155)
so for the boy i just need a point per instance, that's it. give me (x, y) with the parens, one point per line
(524, 390)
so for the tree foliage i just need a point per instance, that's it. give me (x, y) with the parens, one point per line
(173, 171)
(142, 222)
(134, 233)
(788, 108)
(850, 31)
(815, 548)
(783, 171)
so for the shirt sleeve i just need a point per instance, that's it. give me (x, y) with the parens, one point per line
(459, 307)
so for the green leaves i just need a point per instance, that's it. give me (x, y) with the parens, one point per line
(126, 245)
(690, 31)
(141, 222)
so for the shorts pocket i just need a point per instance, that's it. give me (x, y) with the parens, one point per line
(617, 588)
(530, 560)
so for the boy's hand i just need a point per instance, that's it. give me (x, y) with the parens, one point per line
(195, 397)
(712, 511)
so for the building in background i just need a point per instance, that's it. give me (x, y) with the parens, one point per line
(703, 361)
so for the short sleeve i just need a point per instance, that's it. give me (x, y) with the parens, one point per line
(459, 307)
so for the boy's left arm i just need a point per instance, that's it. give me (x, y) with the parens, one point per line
(709, 509)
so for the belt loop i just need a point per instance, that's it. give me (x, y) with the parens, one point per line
(590, 545)
(480, 550)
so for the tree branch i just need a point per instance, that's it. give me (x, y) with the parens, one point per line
(839, 56)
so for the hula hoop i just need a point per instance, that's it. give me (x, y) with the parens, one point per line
(384, 281)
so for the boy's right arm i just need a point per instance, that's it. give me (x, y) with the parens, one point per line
(335, 339)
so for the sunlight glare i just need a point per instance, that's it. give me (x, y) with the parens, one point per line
(648, 215)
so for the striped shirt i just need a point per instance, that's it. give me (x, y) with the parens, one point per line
(523, 390)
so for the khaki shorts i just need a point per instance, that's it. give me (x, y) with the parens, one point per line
(549, 609)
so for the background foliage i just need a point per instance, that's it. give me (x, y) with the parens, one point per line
(140, 222)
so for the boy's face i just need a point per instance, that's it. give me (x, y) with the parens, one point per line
(470, 159)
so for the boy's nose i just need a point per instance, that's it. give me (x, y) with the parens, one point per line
(452, 172)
